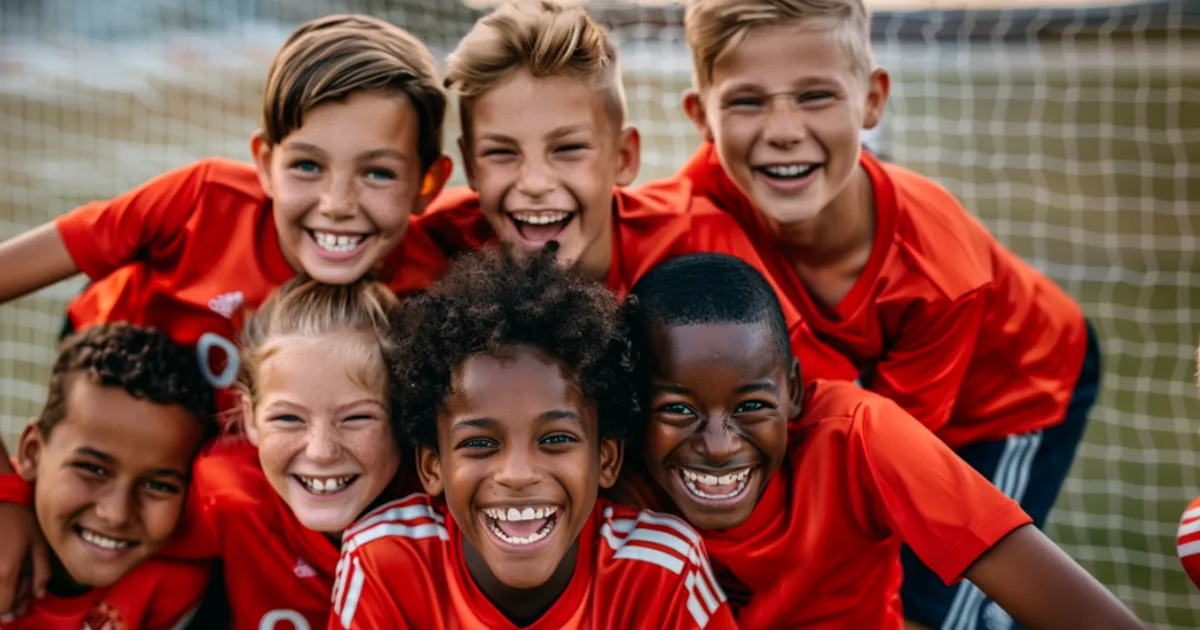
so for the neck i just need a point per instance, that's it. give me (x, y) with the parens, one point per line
(61, 582)
(839, 230)
(522, 606)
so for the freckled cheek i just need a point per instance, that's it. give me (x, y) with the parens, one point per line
(375, 449)
(276, 450)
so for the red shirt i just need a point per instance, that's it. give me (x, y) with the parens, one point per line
(967, 337)
(154, 596)
(822, 547)
(650, 225)
(186, 251)
(276, 570)
(402, 567)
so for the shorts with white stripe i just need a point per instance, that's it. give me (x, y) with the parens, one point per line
(1030, 468)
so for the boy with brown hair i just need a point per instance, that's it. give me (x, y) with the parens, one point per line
(350, 147)
(882, 263)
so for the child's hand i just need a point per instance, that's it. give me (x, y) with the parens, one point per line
(24, 560)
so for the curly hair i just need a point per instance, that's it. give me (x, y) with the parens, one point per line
(144, 362)
(489, 300)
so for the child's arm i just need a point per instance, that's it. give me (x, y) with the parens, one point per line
(362, 600)
(1041, 587)
(24, 559)
(33, 260)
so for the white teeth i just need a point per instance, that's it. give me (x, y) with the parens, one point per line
(326, 485)
(527, 514)
(337, 243)
(691, 478)
(513, 514)
(540, 218)
(103, 542)
(789, 170)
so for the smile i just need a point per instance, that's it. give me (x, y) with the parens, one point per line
(711, 487)
(325, 485)
(540, 226)
(788, 171)
(337, 243)
(521, 526)
(97, 539)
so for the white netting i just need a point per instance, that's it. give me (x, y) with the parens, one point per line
(1074, 134)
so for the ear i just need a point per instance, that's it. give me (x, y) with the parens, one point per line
(261, 150)
(612, 454)
(432, 184)
(30, 447)
(629, 155)
(429, 469)
(693, 106)
(879, 85)
(464, 149)
(248, 425)
(795, 389)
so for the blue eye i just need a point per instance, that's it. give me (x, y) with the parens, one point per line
(381, 174)
(559, 439)
(477, 443)
(751, 405)
(306, 166)
(678, 409)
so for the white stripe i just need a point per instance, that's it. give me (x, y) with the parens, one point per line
(653, 556)
(351, 605)
(339, 584)
(1187, 528)
(706, 594)
(186, 619)
(670, 541)
(1025, 467)
(407, 513)
(1192, 513)
(684, 529)
(693, 605)
(1187, 549)
(415, 532)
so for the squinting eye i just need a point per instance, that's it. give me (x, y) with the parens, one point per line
(751, 405)
(559, 439)
(165, 488)
(306, 166)
(679, 409)
(477, 443)
(381, 174)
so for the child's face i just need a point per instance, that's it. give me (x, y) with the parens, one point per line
(520, 463)
(323, 434)
(720, 401)
(109, 479)
(345, 183)
(786, 111)
(544, 156)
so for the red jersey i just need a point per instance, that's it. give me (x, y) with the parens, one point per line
(402, 567)
(276, 570)
(971, 340)
(188, 250)
(154, 596)
(650, 225)
(821, 549)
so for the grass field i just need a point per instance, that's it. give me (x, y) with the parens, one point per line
(1080, 153)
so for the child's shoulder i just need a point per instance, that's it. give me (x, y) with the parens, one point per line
(845, 408)
(633, 538)
(413, 521)
(228, 469)
(231, 176)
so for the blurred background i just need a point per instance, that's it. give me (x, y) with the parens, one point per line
(1072, 131)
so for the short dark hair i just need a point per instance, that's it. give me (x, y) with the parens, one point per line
(489, 300)
(144, 362)
(706, 289)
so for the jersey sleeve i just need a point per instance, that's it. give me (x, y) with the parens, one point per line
(177, 595)
(917, 487)
(142, 224)
(925, 367)
(361, 599)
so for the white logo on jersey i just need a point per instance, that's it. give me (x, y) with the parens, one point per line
(227, 304)
(204, 345)
(303, 569)
(270, 621)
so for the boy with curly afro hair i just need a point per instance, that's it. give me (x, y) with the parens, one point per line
(514, 384)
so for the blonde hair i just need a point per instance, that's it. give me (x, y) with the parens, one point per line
(306, 309)
(715, 27)
(544, 38)
(334, 57)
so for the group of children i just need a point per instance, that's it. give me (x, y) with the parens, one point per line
(792, 386)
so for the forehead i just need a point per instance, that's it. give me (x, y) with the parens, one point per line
(363, 121)
(519, 384)
(702, 352)
(779, 57)
(138, 433)
(328, 368)
(524, 104)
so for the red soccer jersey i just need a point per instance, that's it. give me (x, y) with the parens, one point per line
(154, 596)
(962, 333)
(402, 567)
(186, 251)
(276, 570)
(650, 225)
(822, 547)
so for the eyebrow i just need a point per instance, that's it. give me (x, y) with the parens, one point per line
(672, 388)
(488, 423)
(383, 152)
(553, 135)
(109, 459)
(759, 386)
(746, 86)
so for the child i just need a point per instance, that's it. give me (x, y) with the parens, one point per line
(513, 382)
(882, 263)
(547, 146)
(803, 494)
(318, 452)
(107, 465)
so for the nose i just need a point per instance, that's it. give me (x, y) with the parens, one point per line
(338, 200)
(717, 443)
(517, 469)
(534, 179)
(115, 505)
(784, 125)
(323, 445)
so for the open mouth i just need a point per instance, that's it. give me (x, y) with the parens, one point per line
(521, 526)
(104, 542)
(540, 226)
(726, 488)
(325, 486)
(338, 246)
(793, 175)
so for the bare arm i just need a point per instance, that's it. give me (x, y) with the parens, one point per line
(33, 260)
(1043, 588)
